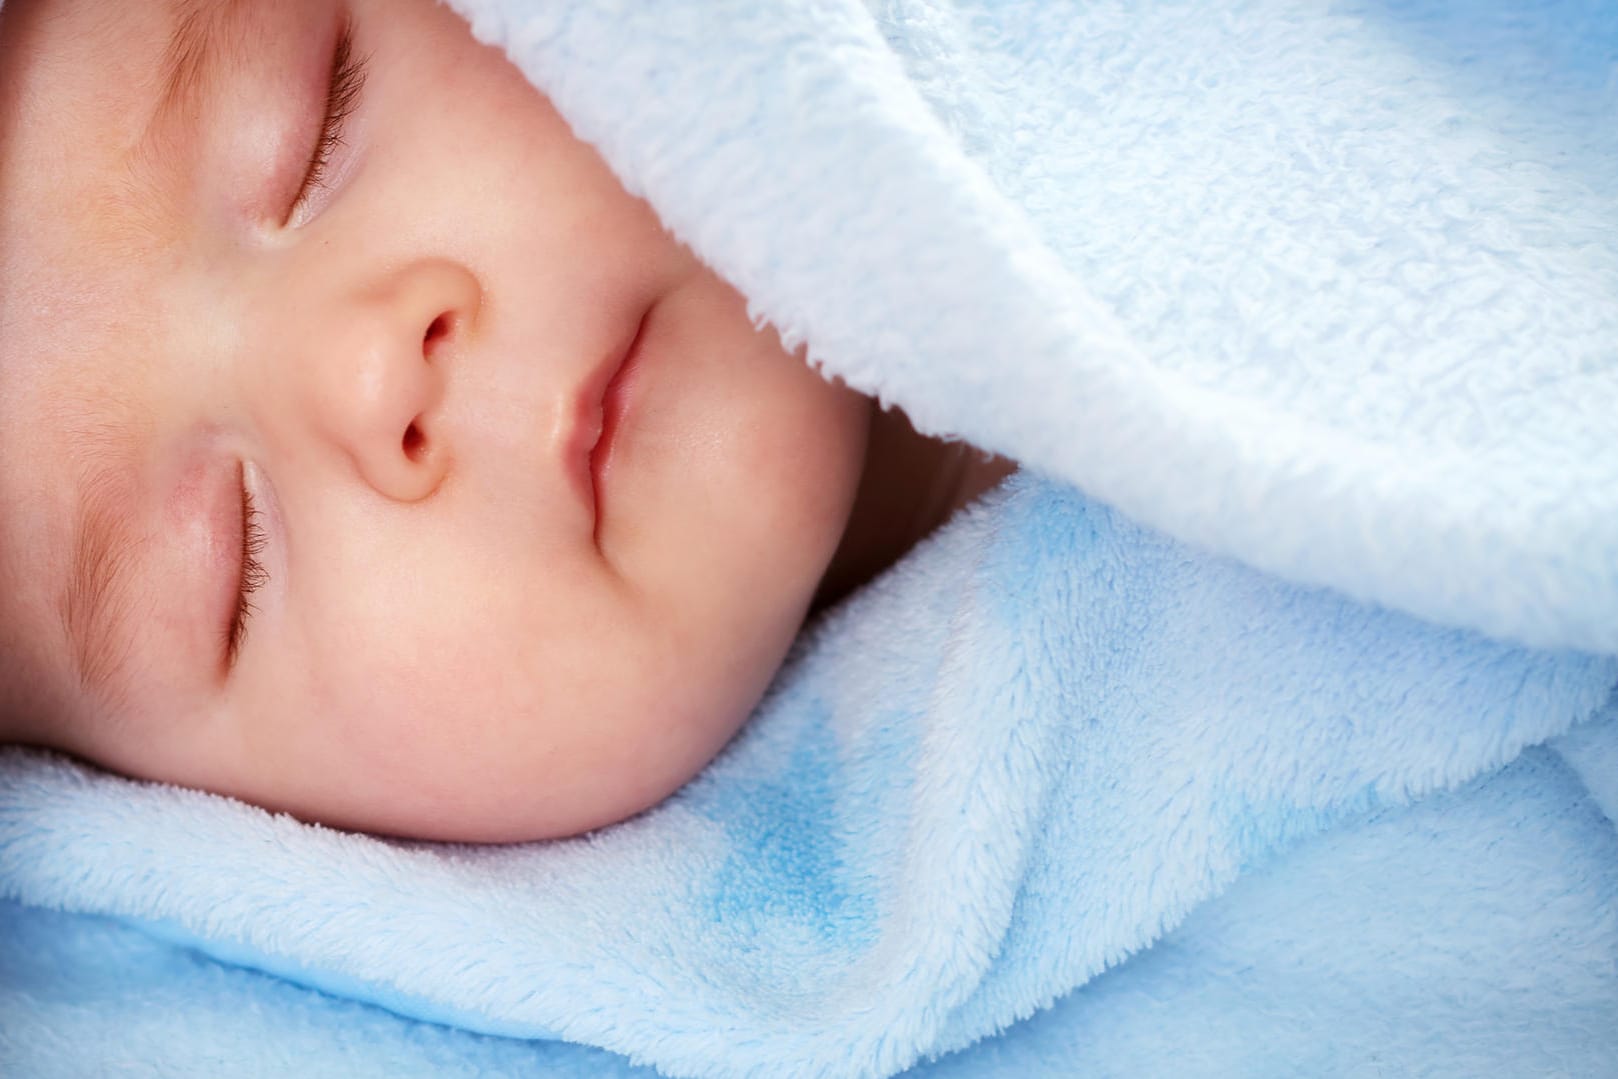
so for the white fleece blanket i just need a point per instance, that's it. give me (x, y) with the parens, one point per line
(1269, 296)
(1332, 288)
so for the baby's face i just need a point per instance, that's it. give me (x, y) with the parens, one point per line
(303, 495)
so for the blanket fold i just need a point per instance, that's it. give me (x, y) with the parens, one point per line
(1289, 281)
(1286, 670)
(956, 805)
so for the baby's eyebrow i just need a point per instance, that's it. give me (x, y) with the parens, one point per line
(200, 34)
(95, 600)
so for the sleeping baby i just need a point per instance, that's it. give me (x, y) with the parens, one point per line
(368, 453)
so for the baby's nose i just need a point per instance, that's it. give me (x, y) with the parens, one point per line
(379, 371)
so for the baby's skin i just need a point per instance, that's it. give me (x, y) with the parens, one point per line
(368, 453)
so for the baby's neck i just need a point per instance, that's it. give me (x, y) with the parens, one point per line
(911, 485)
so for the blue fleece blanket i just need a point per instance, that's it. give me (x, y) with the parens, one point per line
(1288, 746)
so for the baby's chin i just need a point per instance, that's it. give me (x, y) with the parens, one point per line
(540, 781)
(490, 815)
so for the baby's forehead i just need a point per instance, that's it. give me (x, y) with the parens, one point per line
(60, 431)
(76, 88)
(36, 491)
(76, 242)
(72, 335)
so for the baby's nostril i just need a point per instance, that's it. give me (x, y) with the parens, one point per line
(439, 327)
(415, 443)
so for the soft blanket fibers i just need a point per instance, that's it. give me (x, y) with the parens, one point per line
(1332, 288)
(959, 803)
(1320, 292)
(1250, 985)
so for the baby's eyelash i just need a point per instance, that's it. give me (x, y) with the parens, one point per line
(253, 576)
(342, 98)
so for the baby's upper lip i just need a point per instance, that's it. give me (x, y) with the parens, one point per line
(589, 411)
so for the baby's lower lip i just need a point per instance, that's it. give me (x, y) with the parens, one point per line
(615, 401)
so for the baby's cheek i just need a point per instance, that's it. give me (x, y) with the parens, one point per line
(527, 731)
(803, 466)
(491, 727)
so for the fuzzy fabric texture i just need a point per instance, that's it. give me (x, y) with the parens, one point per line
(1328, 292)
(1001, 769)
(1255, 983)
(1328, 287)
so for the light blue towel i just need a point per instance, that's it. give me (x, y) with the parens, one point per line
(1329, 287)
(1330, 293)
(1005, 767)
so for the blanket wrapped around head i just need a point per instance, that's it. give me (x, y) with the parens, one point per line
(1265, 724)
